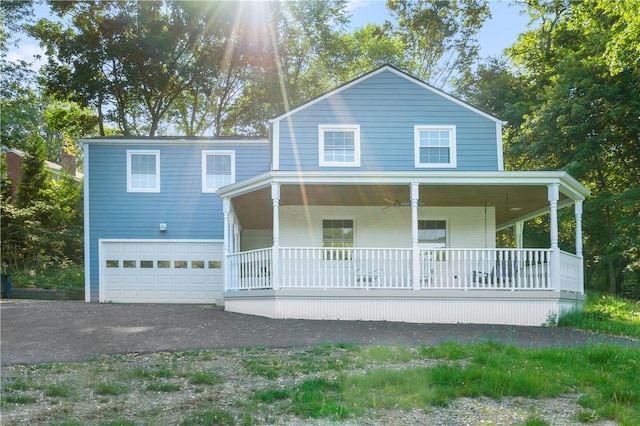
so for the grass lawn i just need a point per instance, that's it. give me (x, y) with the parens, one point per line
(333, 384)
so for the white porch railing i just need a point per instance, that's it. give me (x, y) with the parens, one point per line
(373, 268)
(571, 278)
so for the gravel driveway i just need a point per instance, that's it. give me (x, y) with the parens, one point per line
(54, 331)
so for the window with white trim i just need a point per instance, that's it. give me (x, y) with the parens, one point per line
(339, 145)
(218, 169)
(432, 233)
(143, 171)
(435, 146)
(337, 233)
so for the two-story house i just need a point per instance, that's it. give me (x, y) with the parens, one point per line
(379, 200)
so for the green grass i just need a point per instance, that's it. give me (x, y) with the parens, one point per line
(339, 381)
(205, 378)
(213, 416)
(606, 314)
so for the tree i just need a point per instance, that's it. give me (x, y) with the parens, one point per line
(129, 60)
(582, 117)
(440, 36)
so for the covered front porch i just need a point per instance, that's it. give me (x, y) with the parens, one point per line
(280, 264)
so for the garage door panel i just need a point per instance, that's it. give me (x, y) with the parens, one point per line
(161, 272)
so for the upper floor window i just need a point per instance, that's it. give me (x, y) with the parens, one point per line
(218, 169)
(435, 146)
(143, 171)
(339, 145)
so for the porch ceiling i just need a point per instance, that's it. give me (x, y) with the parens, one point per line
(255, 211)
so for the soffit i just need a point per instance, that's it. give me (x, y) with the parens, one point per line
(254, 209)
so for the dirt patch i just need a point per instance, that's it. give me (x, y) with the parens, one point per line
(237, 386)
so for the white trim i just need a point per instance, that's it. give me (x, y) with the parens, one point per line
(203, 171)
(275, 146)
(447, 236)
(453, 161)
(388, 68)
(351, 218)
(569, 185)
(499, 146)
(355, 128)
(87, 230)
(175, 141)
(131, 152)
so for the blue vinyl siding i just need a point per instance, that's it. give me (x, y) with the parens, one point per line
(189, 213)
(387, 107)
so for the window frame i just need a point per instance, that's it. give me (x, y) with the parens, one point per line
(337, 252)
(453, 161)
(205, 154)
(424, 244)
(354, 128)
(130, 154)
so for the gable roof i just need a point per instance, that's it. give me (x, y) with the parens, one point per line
(402, 74)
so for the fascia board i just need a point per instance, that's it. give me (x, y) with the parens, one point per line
(569, 186)
(174, 142)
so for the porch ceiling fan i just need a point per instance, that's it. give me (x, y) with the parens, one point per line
(398, 203)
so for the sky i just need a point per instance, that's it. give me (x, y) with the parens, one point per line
(498, 33)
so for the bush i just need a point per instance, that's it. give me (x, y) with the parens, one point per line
(66, 276)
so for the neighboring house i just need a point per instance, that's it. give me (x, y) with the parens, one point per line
(14, 158)
(379, 200)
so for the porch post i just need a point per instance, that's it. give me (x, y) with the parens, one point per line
(578, 212)
(275, 199)
(226, 208)
(519, 229)
(554, 196)
(415, 249)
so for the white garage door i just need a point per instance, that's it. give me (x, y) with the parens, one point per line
(161, 272)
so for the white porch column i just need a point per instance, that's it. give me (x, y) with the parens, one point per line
(519, 230)
(554, 196)
(415, 269)
(578, 212)
(275, 199)
(226, 208)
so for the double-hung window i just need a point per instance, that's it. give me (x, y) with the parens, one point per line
(339, 145)
(432, 233)
(337, 233)
(435, 146)
(143, 171)
(218, 169)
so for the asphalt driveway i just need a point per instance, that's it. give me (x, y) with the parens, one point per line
(53, 331)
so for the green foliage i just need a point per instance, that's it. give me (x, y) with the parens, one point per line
(606, 314)
(439, 37)
(570, 93)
